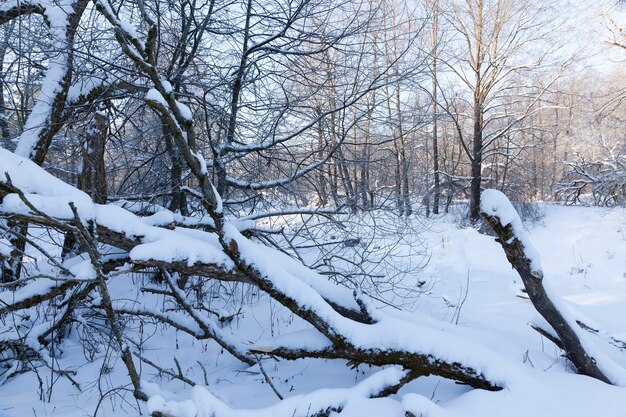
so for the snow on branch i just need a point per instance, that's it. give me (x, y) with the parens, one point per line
(495, 204)
(162, 98)
(43, 120)
(604, 180)
(190, 251)
(317, 403)
(10, 10)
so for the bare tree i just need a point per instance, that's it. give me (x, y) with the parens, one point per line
(495, 38)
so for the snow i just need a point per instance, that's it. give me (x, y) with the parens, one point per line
(488, 331)
(30, 178)
(201, 161)
(5, 247)
(220, 205)
(310, 339)
(614, 371)
(495, 203)
(553, 395)
(164, 217)
(36, 287)
(388, 333)
(167, 86)
(155, 96)
(125, 26)
(84, 270)
(160, 218)
(185, 111)
(85, 86)
(204, 404)
(171, 247)
(52, 196)
(297, 279)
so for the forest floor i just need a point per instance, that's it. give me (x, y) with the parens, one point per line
(469, 284)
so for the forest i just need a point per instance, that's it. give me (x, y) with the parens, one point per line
(312, 208)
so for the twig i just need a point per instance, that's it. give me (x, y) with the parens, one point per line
(178, 376)
(267, 378)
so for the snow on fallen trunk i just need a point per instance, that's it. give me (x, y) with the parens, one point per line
(494, 203)
(418, 345)
(204, 404)
(498, 211)
(52, 196)
(147, 243)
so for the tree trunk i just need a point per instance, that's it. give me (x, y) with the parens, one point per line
(322, 192)
(435, 40)
(178, 201)
(477, 161)
(92, 174)
(46, 129)
(403, 162)
(4, 119)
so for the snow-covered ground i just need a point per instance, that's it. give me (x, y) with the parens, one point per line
(469, 284)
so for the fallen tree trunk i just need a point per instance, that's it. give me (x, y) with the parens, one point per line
(350, 327)
(498, 212)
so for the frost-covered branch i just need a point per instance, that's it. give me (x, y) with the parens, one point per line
(10, 10)
(603, 178)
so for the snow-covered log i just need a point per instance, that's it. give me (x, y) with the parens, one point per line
(498, 211)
